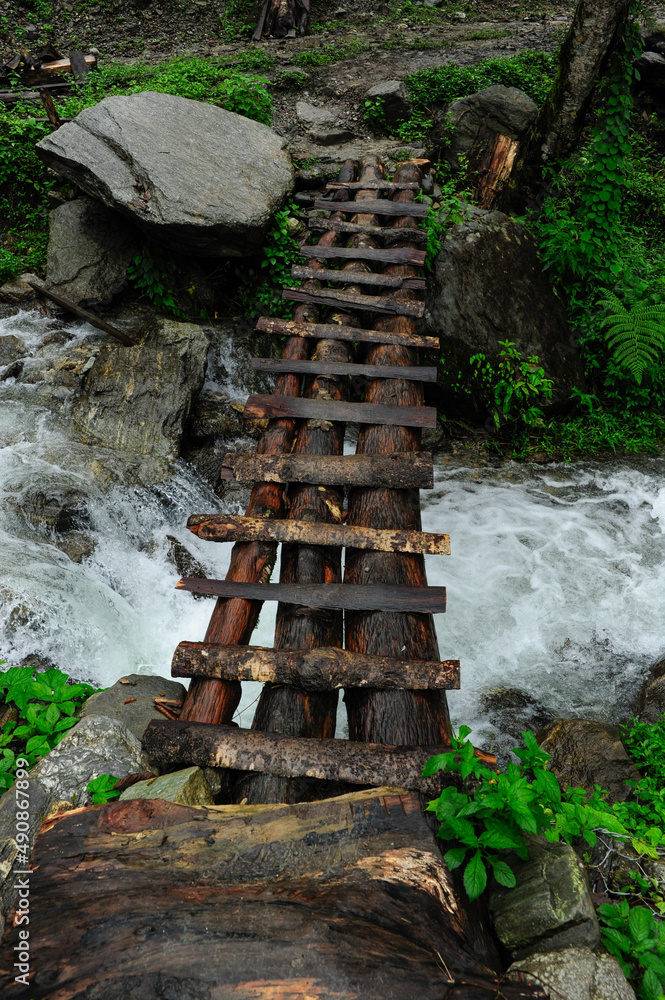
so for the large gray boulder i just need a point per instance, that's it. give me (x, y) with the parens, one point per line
(131, 700)
(204, 180)
(89, 250)
(138, 398)
(574, 974)
(394, 99)
(506, 110)
(488, 286)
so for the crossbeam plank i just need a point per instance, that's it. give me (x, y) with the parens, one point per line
(375, 206)
(336, 331)
(355, 277)
(358, 597)
(389, 233)
(398, 470)
(373, 185)
(325, 669)
(227, 528)
(339, 299)
(170, 743)
(396, 255)
(415, 374)
(275, 407)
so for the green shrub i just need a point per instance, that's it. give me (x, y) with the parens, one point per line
(532, 72)
(637, 941)
(260, 290)
(246, 95)
(102, 789)
(155, 275)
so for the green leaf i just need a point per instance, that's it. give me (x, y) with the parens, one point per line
(503, 873)
(651, 986)
(640, 923)
(455, 856)
(437, 763)
(475, 876)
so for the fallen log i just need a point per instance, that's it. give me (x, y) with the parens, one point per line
(93, 320)
(260, 407)
(349, 300)
(383, 232)
(406, 470)
(356, 277)
(378, 206)
(51, 111)
(378, 185)
(397, 255)
(168, 744)
(322, 669)
(416, 374)
(333, 331)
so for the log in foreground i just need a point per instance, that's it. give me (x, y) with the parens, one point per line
(262, 407)
(334, 331)
(416, 374)
(227, 528)
(169, 743)
(378, 597)
(324, 669)
(336, 900)
(399, 470)
(351, 300)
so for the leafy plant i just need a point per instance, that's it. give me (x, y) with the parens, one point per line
(450, 211)
(514, 386)
(246, 95)
(636, 335)
(291, 79)
(637, 941)
(331, 53)
(102, 789)
(154, 274)
(260, 291)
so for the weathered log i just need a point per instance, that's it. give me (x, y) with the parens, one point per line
(416, 374)
(379, 185)
(93, 320)
(227, 528)
(425, 600)
(180, 743)
(322, 669)
(346, 898)
(379, 206)
(384, 232)
(397, 255)
(348, 300)
(356, 277)
(331, 331)
(407, 470)
(260, 407)
(491, 160)
(59, 66)
(51, 111)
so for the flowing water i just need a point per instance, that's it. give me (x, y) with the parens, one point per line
(556, 584)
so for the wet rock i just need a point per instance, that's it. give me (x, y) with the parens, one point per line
(550, 907)
(506, 110)
(333, 137)
(77, 546)
(651, 699)
(487, 286)
(11, 349)
(213, 417)
(61, 509)
(394, 99)
(586, 753)
(312, 117)
(510, 712)
(18, 290)
(138, 398)
(131, 701)
(90, 248)
(201, 179)
(187, 788)
(97, 745)
(574, 974)
(183, 560)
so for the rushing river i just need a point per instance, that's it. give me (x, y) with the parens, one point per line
(556, 584)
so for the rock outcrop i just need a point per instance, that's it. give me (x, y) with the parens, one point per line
(586, 753)
(394, 100)
(574, 974)
(201, 179)
(131, 700)
(505, 110)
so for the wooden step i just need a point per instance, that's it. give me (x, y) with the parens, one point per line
(276, 407)
(352, 300)
(397, 255)
(387, 233)
(355, 277)
(411, 374)
(325, 669)
(353, 597)
(372, 186)
(178, 743)
(399, 470)
(336, 331)
(375, 206)
(229, 528)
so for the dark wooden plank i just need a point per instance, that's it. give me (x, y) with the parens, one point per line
(168, 743)
(79, 65)
(269, 407)
(229, 528)
(396, 255)
(416, 374)
(337, 331)
(352, 300)
(425, 600)
(356, 277)
(359, 228)
(83, 314)
(376, 206)
(312, 669)
(405, 470)
(374, 186)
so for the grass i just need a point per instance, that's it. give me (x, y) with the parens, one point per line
(328, 54)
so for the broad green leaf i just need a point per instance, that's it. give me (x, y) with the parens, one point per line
(475, 876)
(437, 763)
(455, 856)
(52, 715)
(503, 873)
(651, 986)
(640, 923)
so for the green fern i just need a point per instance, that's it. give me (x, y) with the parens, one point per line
(636, 335)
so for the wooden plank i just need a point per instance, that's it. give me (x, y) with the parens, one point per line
(375, 206)
(62, 66)
(399, 470)
(322, 669)
(339, 299)
(168, 743)
(355, 277)
(79, 66)
(83, 314)
(415, 374)
(382, 232)
(374, 186)
(396, 255)
(337, 331)
(358, 597)
(269, 407)
(229, 528)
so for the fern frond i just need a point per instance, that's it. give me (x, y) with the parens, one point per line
(635, 336)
